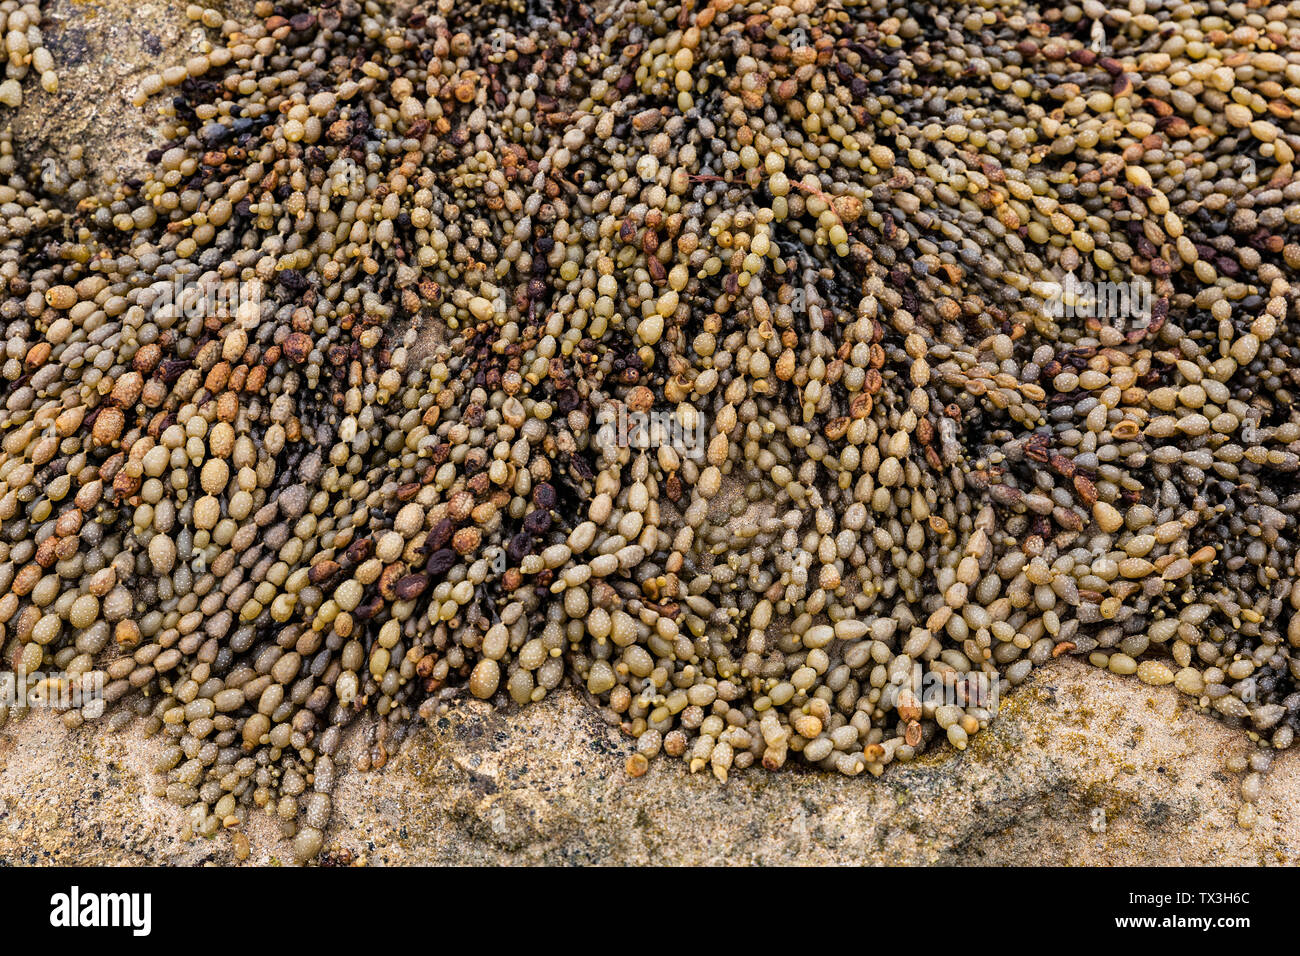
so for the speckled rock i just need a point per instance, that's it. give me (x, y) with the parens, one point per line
(1081, 767)
(102, 49)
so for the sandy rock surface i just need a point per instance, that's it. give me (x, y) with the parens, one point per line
(1081, 767)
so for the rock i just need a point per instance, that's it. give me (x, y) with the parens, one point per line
(1081, 767)
(101, 52)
